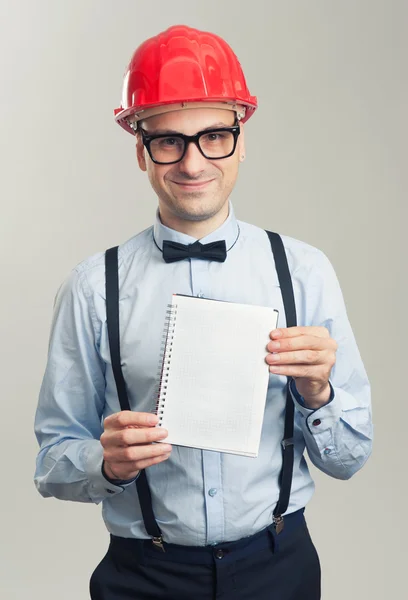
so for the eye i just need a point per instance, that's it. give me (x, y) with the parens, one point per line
(170, 141)
(213, 137)
(218, 136)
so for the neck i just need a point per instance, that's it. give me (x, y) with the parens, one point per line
(196, 229)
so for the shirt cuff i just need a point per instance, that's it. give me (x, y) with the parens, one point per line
(122, 482)
(100, 486)
(318, 419)
(300, 400)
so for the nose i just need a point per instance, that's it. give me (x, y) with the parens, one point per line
(193, 163)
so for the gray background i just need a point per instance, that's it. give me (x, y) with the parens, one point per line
(324, 164)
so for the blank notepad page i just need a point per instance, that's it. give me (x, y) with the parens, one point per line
(215, 374)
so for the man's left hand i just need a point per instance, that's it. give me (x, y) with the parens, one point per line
(307, 354)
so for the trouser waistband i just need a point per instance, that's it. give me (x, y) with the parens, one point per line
(207, 554)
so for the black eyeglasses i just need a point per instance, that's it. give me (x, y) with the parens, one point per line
(214, 144)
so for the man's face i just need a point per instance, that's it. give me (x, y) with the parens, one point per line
(196, 188)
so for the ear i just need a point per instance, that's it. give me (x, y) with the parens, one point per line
(241, 143)
(140, 153)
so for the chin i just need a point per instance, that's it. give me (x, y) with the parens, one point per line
(196, 207)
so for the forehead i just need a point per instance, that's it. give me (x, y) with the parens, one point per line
(189, 121)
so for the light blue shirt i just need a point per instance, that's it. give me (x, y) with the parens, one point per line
(199, 497)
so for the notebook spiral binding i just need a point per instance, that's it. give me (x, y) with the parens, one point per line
(165, 360)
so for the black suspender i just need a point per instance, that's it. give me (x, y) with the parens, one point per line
(112, 316)
(285, 282)
(112, 320)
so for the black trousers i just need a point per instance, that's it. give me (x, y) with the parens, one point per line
(262, 567)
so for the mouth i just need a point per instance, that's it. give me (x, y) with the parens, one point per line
(193, 186)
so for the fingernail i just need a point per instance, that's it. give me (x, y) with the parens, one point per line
(276, 333)
(153, 419)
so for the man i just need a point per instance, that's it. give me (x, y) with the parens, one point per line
(198, 524)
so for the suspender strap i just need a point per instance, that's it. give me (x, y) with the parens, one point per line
(285, 282)
(112, 317)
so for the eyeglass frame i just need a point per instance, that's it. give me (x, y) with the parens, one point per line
(188, 139)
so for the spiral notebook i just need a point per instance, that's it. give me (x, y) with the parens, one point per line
(213, 375)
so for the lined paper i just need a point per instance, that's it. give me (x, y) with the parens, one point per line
(218, 378)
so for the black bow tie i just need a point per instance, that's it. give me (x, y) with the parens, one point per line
(173, 251)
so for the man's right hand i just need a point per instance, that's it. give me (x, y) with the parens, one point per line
(127, 443)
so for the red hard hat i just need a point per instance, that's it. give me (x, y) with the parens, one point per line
(182, 68)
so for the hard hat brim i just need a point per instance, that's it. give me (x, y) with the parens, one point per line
(128, 118)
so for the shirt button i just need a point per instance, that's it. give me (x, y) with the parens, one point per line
(316, 422)
(200, 295)
(212, 492)
(219, 554)
(327, 451)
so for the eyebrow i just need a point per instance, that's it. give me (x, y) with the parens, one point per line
(174, 132)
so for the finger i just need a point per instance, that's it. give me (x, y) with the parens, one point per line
(303, 342)
(132, 454)
(144, 464)
(128, 470)
(129, 418)
(130, 437)
(288, 332)
(314, 372)
(300, 357)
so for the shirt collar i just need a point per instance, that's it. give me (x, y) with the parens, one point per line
(228, 231)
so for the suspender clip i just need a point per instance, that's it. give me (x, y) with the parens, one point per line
(286, 443)
(278, 523)
(158, 543)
